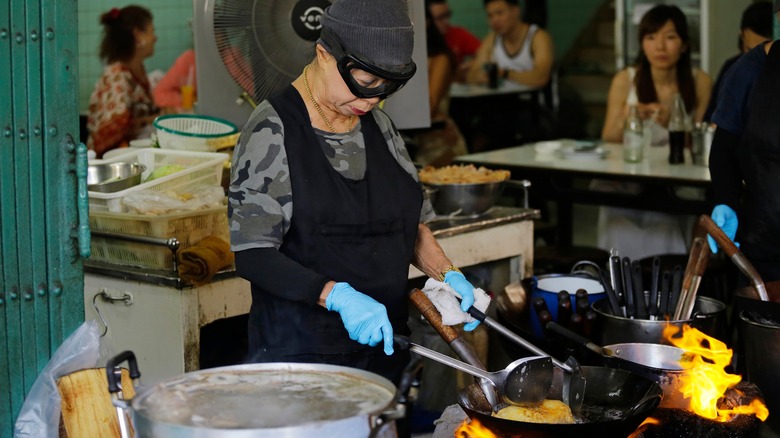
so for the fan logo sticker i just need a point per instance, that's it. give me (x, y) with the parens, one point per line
(307, 18)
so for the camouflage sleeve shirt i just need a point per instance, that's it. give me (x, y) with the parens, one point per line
(260, 195)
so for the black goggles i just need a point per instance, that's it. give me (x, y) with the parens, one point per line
(389, 82)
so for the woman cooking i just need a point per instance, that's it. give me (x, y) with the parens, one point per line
(326, 209)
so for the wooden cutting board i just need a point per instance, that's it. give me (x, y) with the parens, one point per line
(87, 410)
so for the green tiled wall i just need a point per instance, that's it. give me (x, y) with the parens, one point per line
(566, 18)
(171, 22)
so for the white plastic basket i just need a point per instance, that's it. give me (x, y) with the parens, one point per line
(194, 132)
(188, 227)
(201, 168)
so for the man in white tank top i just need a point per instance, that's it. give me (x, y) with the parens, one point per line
(523, 52)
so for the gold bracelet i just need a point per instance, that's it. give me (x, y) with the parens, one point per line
(449, 268)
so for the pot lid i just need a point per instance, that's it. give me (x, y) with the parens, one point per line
(263, 396)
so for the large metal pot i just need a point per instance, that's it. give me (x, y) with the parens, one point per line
(266, 400)
(760, 336)
(616, 402)
(709, 316)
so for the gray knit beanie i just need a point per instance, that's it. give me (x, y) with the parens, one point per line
(380, 31)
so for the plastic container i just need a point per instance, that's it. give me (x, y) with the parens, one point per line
(188, 227)
(194, 133)
(201, 168)
(548, 286)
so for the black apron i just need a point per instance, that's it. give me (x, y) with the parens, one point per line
(360, 232)
(759, 156)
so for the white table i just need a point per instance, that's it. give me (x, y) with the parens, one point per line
(162, 318)
(464, 91)
(567, 181)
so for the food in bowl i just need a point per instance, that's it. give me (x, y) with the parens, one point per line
(461, 174)
(549, 412)
(463, 190)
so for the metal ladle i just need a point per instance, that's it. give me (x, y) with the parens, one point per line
(524, 382)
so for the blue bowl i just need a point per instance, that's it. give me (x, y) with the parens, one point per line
(548, 286)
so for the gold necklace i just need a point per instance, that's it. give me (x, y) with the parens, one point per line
(317, 106)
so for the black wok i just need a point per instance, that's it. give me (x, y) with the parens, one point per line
(616, 402)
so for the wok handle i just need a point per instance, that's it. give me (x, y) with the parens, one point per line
(573, 336)
(431, 314)
(459, 345)
(523, 184)
(735, 254)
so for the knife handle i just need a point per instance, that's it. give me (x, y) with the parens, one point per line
(654, 283)
(628, 288)
(639, 290)
(617, 281)
(664, 292)
(611, 296)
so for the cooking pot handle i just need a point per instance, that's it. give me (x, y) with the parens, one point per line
(523, 184)
(113, 363)
(391, 414)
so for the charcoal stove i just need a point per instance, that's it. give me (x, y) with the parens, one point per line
(680, 423)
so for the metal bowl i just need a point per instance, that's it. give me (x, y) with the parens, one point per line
(464, 199)
(113, 177)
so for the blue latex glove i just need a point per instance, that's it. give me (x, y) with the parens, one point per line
(364, 317)
(726, 219)
(462, 287)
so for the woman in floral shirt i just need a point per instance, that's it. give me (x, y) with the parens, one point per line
(121, 105)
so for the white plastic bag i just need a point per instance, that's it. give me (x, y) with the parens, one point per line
(40, 414)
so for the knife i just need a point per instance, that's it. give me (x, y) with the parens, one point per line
(639, 290)
(654, 280)
(628, 288)
(664, 292)
(617, 282)
(611, 296)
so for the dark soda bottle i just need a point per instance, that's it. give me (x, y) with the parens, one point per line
(677, 130)
(676, 147)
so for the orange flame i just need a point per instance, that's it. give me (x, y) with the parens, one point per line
(649, 421)
(473, 429)
(705, 380)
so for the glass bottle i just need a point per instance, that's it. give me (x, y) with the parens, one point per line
(633, 137)
(677, 129)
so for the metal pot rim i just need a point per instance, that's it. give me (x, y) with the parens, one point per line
(139, 405)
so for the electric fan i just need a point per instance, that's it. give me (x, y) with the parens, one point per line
(248, 50)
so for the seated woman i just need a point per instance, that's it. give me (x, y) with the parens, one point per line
(662, 71)
(121, 106)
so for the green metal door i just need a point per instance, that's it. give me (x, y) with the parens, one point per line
(41, 241)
